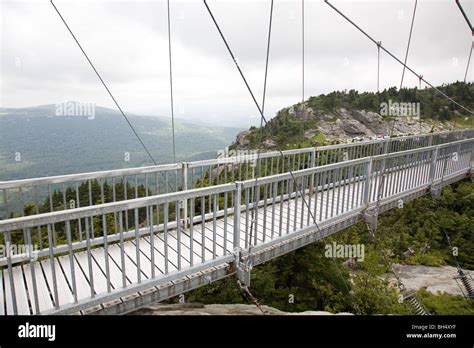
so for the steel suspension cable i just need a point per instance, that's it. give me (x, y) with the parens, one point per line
(171, 81)
(397, 59)
(469, 59)
(408, 44)
(104, 84)
(378, 66)
(464, 15)
(302, 66)
(299, 191)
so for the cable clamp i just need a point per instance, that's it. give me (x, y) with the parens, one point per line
(242, 267)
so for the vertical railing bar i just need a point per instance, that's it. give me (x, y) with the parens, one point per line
(323, 181)
(290, 191)
(40, 234)
(91, 202)
(303, 189)
(295, 216)
(78, 205)
(89, 259)
(247, 201)
(214, 227)
(53, 267)
(274, 194)
(150, 219)
(191, 231)
(339, 181)
(178, 231)
(8, 241)
(137, 244)
(203, 228)
(114, 194)
(225, 222)
(315, 189)
(264, 227)
(33, 273)
(333, 178)
(282, 192)
(152, 235)
(122, 250)
(310, 197)
(237, 213)
(165, 235)
(52, 209)
(106, 251)
(71, 260)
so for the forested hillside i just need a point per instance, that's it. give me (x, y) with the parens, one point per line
(54, 145)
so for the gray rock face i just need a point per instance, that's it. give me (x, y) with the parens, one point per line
(434, 279)
(241, 140)
(368, 124)
(346, 125)
(218, 309)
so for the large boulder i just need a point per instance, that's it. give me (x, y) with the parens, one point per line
(242, 141)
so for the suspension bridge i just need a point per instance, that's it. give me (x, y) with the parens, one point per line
(118, 256)
(113, 241)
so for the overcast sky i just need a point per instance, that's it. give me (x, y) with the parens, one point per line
(128, 43)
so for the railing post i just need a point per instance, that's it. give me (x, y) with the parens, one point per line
(430, 140)
(313, 158)
(385, 146)
(434, 158)
(368, 172)
(471, 165)
(185, 188)
(313, 165)
(370, 217)
(237, 206)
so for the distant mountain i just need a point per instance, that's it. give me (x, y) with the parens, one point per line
(74, 137)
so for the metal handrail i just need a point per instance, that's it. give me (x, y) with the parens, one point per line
(194, 164)
(105, 208)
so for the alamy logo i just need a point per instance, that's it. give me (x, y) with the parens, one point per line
(400, 109)
(76, 109)
(37, 331)
(8, 249)
(238, 156)
(345, 251)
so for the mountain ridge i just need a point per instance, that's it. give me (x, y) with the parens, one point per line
(50, 144)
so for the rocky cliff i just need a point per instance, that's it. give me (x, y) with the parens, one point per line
(347, 126)
(352, 116)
